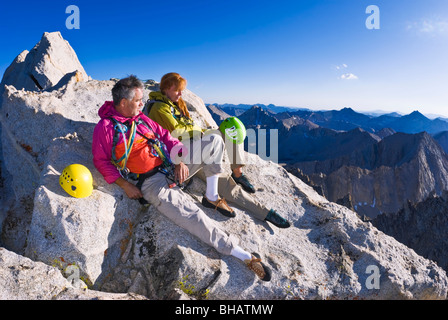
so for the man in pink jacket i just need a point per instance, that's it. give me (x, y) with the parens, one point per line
(131, 153)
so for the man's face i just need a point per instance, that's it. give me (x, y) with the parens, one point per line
(131, 108)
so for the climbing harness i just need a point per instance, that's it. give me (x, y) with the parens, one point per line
(158, 149)
(128, 143)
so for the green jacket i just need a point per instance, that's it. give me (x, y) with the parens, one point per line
(168, 115)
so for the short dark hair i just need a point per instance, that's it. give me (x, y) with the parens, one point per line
(125, 89)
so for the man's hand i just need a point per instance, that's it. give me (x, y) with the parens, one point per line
(181, 172)
(131, 190)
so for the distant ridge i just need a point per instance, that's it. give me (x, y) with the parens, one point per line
(347, 119)
(344, 152)
(243, 107)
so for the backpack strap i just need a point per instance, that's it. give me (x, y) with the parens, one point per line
(148, 106)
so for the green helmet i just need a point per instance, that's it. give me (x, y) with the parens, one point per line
(233, 129)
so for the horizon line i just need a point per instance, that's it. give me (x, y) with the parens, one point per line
(430, 116)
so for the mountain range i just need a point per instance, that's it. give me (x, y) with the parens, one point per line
(381, 166)
(347, 119)
(310, 133)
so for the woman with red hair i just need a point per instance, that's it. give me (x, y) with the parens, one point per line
(167, 108)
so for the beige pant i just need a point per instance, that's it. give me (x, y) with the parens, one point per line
(229, 189)
(180, 208)
(232, 192)
(235, 153)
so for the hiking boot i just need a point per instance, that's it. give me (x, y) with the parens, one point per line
(220, 205)
(244, 182)
(278, 221)
(255, 264)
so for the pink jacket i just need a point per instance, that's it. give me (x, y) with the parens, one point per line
(103, 136)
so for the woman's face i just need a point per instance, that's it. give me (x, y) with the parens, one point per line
(173, 93)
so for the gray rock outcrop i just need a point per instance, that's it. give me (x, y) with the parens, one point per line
(421, 226)
(122, 247)
(24, 279)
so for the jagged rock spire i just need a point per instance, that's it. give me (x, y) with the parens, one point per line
(44, 66)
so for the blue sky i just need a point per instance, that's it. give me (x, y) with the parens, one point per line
(315, 54)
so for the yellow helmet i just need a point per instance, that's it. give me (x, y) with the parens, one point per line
(77, 181)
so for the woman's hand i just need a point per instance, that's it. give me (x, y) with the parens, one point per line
(181, 172)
